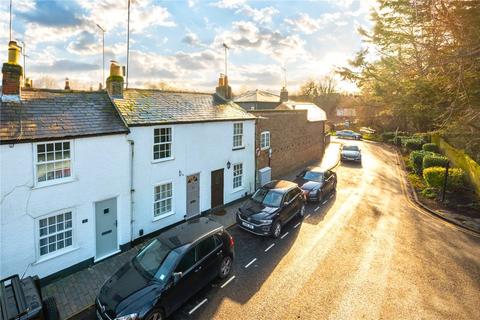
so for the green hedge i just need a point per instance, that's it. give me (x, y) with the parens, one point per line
(432, 147)
(413, 144)
(387, 136)
(416, 159)
(425, 137)
(435, 176)
(434, 160)
(398, 140)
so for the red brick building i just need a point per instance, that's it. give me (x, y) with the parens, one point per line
(285, 140)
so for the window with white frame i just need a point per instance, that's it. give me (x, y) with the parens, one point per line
(162, 143)
(237, 175)
(163, 195)
(53, 161)
(238, 135)
(55, 233)
(265, 140)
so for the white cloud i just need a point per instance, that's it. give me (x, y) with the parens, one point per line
(308, 25)
(263, 15)
(229, 4)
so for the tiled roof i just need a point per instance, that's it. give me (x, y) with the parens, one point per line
(147, 107)
(314, 112)
(55, 114)
(257, 96)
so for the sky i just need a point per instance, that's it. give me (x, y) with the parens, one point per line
(180, 42)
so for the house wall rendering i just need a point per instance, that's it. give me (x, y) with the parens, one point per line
(49, 223)
(196, 148)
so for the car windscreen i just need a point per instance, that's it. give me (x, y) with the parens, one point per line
(313, 176)
(350, 148)
(268, 197)
(151, 258)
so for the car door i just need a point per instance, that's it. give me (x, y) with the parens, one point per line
(327, 185)
(291, 204)
(190, 282)
(209, 252)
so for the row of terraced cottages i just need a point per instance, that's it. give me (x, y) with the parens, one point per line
(86, 174)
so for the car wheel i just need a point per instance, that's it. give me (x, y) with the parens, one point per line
(155, 314)
(276, 229)
(225, 267)
(301, 212)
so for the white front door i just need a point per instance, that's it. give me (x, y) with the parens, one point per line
(193, 195)
(106, 228)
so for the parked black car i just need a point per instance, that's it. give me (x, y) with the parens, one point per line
(271, 207)
(351, 153)
(316, 183)
(169, 270)
(22, 299)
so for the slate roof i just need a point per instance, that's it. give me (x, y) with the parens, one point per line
(314, 112)
(257, 96)
(57, 114)
(142, 107)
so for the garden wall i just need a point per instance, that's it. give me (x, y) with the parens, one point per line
(461, 160)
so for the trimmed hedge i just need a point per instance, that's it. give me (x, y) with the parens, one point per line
(416, 159)
(425, 137)
(398, 140)
(435, 176)
(413, 144)
(432, 147)
(434, 160)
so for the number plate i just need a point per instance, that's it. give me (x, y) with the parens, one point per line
(248, 225)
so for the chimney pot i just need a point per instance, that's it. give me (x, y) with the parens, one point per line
(223, 89)
(67, 84)
(283, 95)
(115, 80)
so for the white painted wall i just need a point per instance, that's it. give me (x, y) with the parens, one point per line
(198, 147)
(101, 170)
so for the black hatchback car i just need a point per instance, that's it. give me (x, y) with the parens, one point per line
(317, 183)
(271, 207)
(165, 273)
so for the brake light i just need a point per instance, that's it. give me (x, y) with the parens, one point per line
(231, 241)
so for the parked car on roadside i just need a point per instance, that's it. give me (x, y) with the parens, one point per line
(350, 153)
(22, 299)
(316, 183)
(349, 134)
(165, 273)
(271, 207)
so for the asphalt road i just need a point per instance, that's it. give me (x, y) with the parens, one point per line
(366, 253)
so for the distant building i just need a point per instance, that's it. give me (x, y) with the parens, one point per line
(314, 112)
(260, 99)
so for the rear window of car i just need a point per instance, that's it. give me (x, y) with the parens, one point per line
(350, 148)
(205, 247)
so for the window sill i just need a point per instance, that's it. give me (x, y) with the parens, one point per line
(163, 216)
(55, 255)
(238, 148)
(238, 189)
(40, 185)
(163, 160)
(265, 148)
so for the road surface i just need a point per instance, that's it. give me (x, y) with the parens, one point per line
(366, 253)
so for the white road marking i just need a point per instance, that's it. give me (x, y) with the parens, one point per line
(248, 264)
(331, 196)
(308, 215)
(295, 226)
(270, 247)
(227, 282)
(284, 235)
(316, 209)
(324, 202)
(197, 306)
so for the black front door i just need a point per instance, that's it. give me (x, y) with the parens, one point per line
(217, 188)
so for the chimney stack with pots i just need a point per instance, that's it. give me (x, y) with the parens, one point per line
(223, 89)
(115, 80)
(283, 95)
(67, 84)
(12, 74)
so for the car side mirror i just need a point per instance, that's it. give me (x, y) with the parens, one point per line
(176, 277)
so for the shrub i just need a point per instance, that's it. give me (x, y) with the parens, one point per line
(412, 144)
(416, 159)
(397, 140)
(425, 137)
(432, 147)
(434, 177)
(429, 193)
(434, 160)
(386, 136)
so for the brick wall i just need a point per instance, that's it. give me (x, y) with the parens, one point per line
(295, 141)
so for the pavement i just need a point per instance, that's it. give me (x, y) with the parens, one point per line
(366, 252)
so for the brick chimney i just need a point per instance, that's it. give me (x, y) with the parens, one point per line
(67, 84)
(12, 74)
(115, 81)
(283, 95)
(223, 89)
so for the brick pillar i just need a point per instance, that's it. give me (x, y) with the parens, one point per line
(12, 78)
